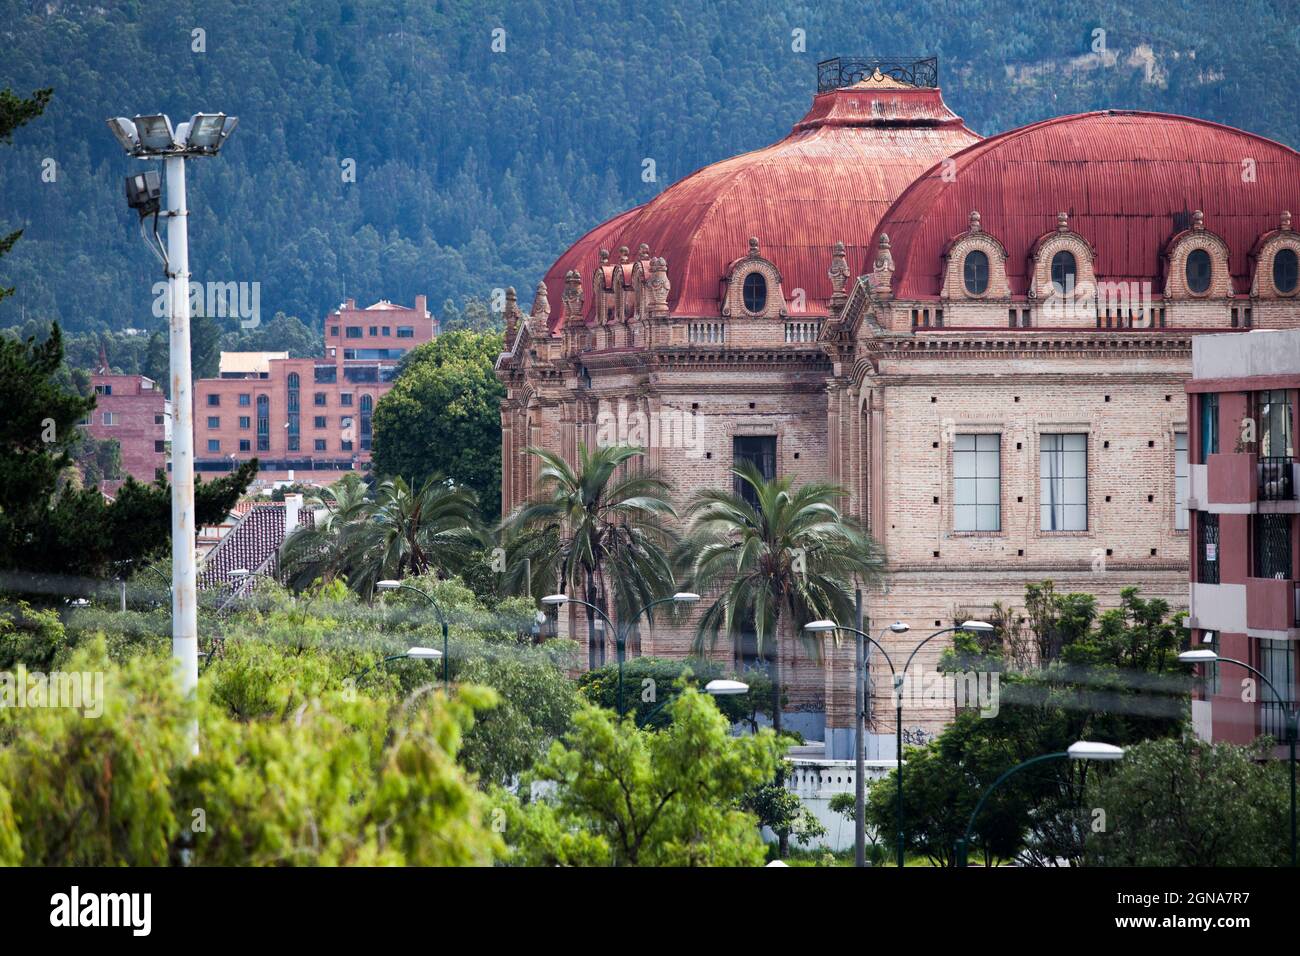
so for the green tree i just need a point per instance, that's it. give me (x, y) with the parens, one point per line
(16, 111)
(629, 797)
(598, 530)
(787, 559)
(1183, 802)
(443, 417)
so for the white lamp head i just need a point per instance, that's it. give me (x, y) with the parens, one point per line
(977, 627)
(821, 627)
(556, 599)
(124, 130)
(686, 597)
(726, 688)
(1089, 750)
(207, 131)
(239, 573)
(898, 627)
(155, 132)
(424, 653)
(388, 584)
(1203, 656)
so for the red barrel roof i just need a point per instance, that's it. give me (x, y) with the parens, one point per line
(1129, 181)
(829, 181)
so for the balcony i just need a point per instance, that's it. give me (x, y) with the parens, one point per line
(1276, 479)
(1271, 606)
(1232, 479)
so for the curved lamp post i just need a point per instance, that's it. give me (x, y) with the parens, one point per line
(620, 632)
(898, 627)
(1292, 718)
(716, 688)
(414, 653)
(391, 585)
(1080, 750)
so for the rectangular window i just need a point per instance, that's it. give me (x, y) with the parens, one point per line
(1207, 547)
(214, 444)
(352, 332)
(1273, 415)
(334, 331)
(1063, 482)
(977, 483)
(158, 420)
(1181, 475)
(319, 421)
(319, 399)
(374, 330)
(244, 400)
(244, 445)
(214, 401)
(320, 444)
(345, 445)
(1277, 663)
(214, 421)
(103, 389)
(405, 332)
(387, 330)
(325, 374)
(1272, 539)
(245, 421)
(345, 399)
(1209, 426)
(110, 418)
(759, 451)
(159, 446)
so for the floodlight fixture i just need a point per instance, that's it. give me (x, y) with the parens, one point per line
(144, 192)
(124, 130)
(155, 133)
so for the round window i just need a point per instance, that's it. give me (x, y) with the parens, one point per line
(755, 290)
(1064, 272)
(1286, 270)
(1198, 271)
(977, 272)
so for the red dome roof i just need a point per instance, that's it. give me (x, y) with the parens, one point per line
(829, 181)
(1122, 176)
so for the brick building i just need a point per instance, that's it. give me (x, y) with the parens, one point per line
(133, 411)
(307, 419)
(1245, 589)
(984, 341)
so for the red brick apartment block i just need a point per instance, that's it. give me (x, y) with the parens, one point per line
(308, 419)
(983, 341)
(133, 410)
(1245, 545)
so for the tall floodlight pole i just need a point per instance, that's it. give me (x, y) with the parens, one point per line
(152, 137)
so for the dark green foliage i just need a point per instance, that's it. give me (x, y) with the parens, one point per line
(649, 683)
(443, 417)
(475, 169)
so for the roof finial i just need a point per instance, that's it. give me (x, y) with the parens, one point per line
(1198, 221)
(1286, 221)
(974, 221)
(753, 247)
(1062, 222)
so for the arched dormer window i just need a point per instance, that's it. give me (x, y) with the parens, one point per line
(975, 272)
(975, 265)
(1196, 263)
(1277, 263)
(1065, 272)
(755, 292)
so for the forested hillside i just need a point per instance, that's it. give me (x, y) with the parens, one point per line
(475, 168)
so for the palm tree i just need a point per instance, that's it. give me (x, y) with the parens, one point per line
(598, 530)
(411, 532)
(323, 551)
(781, 556)
(395, 533)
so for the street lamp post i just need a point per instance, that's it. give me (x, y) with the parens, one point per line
(715, 688)
(1292, 713)
(152, 137)
(898, 627)
(414, 653)
(391, 585)
(1080, 750)
(620, 632)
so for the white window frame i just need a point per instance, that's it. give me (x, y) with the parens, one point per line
(977, 482)
(1182, 480)
(1063, 482)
